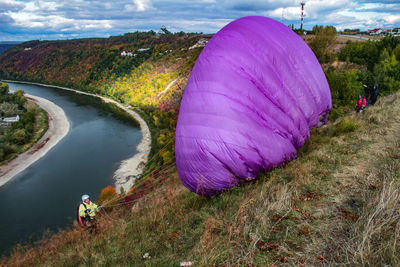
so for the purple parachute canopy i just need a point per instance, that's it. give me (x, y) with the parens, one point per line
(250, 101)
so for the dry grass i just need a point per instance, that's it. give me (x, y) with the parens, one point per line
(364, 191)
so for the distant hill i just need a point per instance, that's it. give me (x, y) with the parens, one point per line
(88, 64)
(4, 46)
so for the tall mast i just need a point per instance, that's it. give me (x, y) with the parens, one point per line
(302, 15)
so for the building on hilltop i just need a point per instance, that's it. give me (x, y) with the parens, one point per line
(377, 31)
(130, 54)
(200, 43)
(142, 49)
(163, 30)
(127, 54)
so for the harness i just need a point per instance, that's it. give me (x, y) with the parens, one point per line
(81, 220)
(84, 206)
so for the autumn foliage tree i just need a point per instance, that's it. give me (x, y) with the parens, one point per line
(323, 43)
(107, 193)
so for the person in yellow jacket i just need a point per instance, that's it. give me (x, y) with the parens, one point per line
(87, 211)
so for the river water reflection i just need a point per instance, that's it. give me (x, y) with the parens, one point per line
(45, 195)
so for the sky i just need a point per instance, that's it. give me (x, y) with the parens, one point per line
(69, 19)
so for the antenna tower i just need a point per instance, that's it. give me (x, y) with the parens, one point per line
(302, 15)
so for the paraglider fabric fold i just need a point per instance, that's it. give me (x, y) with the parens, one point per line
(252, 96)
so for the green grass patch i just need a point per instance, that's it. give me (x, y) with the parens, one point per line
(346, 125)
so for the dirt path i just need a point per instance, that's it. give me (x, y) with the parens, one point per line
(58, 128)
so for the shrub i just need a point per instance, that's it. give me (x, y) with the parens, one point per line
(346, 126)
(345, 88)
(19, 98)
(4, 89)
(387, 73)
(396, 52)
(107, 193)
(8, 109)
(366, 53)
(19, 137)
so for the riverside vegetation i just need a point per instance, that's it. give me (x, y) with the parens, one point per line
(20, 135)
(337, 203)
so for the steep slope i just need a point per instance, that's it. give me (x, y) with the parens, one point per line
(337, 203)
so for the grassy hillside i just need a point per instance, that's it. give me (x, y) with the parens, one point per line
(337, 203)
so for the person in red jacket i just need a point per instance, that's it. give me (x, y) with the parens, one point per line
(361, 104)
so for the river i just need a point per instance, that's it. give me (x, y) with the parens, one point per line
(45, 195)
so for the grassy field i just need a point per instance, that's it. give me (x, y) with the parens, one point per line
(342, 40)
(337, 203)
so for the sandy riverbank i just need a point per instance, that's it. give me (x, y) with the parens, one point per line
(128, 168)
(58, 128)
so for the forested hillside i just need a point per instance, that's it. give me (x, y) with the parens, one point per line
(145, 70)
(87, 64)
(4, 46)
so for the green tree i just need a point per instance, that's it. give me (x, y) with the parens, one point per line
(8, 109)
(396, 52)
(19, 137)
(4, 89)
(345, 87)
(19, 98)
(323, 43)
(387, 73)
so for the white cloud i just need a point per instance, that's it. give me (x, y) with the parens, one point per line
(26, 20)
(316, 8)
(42, 6)
(288, 13)
(130, 8)
(57, 23)
(50, 6)
(10, 3)
(31, 7)
(97, 24)
(392, 19)
(142, 5)
(6, 5)
(93, 18)
(108, 5)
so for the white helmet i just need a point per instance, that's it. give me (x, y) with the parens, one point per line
(85, 197)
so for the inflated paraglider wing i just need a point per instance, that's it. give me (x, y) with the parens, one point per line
(250, 101)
